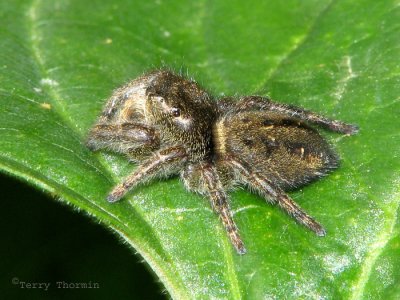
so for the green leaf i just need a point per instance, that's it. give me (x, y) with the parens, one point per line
(60, 60)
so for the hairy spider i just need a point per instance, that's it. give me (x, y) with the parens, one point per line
(170, 125)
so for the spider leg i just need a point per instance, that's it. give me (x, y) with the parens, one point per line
(163, 162)
(262, 103)
(269, 190)
(219, 201)
(123, 138)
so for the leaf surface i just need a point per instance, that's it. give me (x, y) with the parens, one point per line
(60, 60)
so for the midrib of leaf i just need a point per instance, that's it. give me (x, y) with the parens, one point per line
(175, 287)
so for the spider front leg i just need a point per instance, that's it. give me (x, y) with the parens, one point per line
(262, 103)
(270, 191)
(132, 139)
(163, 162)
(219, 201)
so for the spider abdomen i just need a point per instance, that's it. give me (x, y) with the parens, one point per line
(284, 149)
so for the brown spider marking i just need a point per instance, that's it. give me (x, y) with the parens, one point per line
(170, 125)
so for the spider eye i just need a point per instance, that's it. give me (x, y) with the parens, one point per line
(176, 112)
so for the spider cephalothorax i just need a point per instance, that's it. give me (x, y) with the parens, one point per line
(172, 126)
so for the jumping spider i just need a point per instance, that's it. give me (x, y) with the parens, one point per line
(170, 125)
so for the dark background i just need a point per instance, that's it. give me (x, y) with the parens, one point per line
(43, 240)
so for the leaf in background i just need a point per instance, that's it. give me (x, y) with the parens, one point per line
(61, 60)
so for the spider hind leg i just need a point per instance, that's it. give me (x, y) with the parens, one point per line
(268, 190)
(262, 103)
